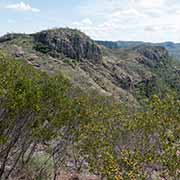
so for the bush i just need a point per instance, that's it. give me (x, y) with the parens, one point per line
(42, 48)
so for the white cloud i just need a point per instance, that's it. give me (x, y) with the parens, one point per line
(148, 20)
(148, 3)
(22, 7)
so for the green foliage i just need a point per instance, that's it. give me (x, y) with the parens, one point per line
(157, 132)
(115, 142)
(42, 48)
(122, 146)
(165, 79)
(33, 108)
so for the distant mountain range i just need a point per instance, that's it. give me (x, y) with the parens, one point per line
(173, 48)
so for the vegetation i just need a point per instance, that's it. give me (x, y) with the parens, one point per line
(173, 48)
(129, 74)
(44, 121)
(47, 124)
(42, 48)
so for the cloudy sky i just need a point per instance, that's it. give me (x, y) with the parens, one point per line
(147, 20)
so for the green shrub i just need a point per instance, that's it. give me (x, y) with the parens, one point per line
(42, 48)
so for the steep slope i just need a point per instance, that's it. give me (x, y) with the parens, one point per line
(127, 74)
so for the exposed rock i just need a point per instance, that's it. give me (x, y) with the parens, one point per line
(32, 57)
(18, 52)
(124, 80)
(151, 56)
(154, 53)
(71, 43)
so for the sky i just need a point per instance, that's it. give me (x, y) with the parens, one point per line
(131, 20)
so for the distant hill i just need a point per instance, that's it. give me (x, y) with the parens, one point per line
(173, 48)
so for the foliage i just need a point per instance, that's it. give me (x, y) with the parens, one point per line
(121, 146)
(42, 48)
(33, 107)
(115, 142)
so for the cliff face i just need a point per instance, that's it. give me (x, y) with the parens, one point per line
(152, 52)
(127, 74)
(151, 56)
(71, 43)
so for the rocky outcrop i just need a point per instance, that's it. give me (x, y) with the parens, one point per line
(154, 53)
(71, 43)
(151, 56)
(18, 51)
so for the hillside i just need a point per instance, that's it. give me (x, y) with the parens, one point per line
(127, 74)
(75, 110)
(173, 48)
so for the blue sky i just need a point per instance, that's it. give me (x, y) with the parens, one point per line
(147, 20)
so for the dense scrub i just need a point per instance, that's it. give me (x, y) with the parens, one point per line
(44, 122)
